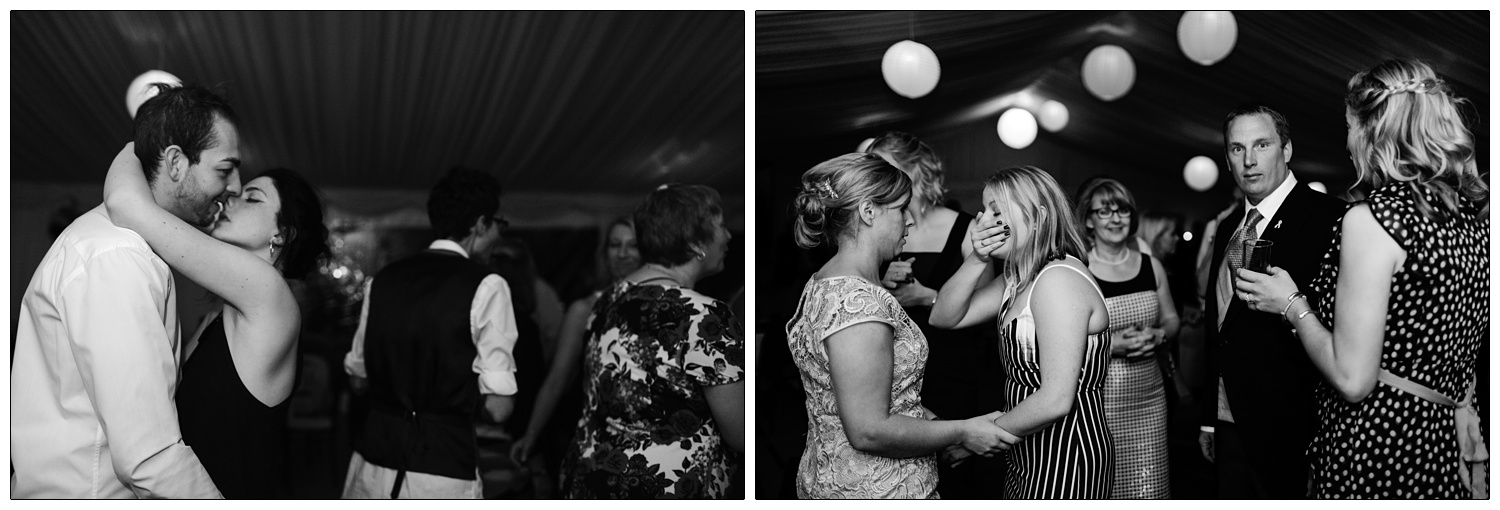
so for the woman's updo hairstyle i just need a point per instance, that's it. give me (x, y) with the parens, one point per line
(1407, 128)
(832, 191)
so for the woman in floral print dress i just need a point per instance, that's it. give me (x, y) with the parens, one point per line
(664, 407)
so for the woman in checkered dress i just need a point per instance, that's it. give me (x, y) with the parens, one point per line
(1141, 317)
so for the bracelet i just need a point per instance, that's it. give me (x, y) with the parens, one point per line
(1304, 313)
(1289, 300)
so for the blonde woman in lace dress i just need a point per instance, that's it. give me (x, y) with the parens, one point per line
(860, 356)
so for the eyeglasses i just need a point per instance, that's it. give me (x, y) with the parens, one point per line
(500, 222)
(1104, 214)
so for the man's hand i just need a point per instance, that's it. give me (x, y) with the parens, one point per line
(499, 407)
(1206, 444)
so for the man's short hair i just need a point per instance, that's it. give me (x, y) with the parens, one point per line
(181, 116)
(460, 197)
(672, 219)
(1283, 129)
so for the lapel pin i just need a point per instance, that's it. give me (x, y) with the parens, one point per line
(1278, 224)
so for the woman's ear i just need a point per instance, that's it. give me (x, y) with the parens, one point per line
(867, 212)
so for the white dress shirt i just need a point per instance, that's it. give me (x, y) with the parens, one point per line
(1268, 206)
(95, 371)
(492, 324)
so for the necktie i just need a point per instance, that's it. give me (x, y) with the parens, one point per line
(1234, 258)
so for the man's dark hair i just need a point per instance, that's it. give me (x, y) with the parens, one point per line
(460, 197)
(672, 219)
(181, 116)
(1283, 129)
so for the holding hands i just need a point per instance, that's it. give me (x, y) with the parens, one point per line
(983, 437)
(1270, 292)
(988, 233)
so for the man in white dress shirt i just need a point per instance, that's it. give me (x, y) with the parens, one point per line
(95, 366)
(434, 346)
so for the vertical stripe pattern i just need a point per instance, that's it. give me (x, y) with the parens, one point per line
(1074, 457)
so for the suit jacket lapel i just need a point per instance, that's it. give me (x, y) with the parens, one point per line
(1294, 207)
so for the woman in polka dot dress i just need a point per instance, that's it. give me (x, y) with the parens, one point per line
(1405, 292)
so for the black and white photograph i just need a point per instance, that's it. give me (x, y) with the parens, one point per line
(378, 254)
(1122, 255)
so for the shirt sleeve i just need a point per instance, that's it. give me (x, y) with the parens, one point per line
(492, 321)
(716, 345)
(354, 362)
(855, 304)
(114, 314)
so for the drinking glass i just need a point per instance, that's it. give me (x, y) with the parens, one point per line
(1258, 254)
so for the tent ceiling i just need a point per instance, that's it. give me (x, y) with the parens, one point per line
(548, 102)
(818, 74)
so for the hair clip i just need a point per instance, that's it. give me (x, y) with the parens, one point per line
(828, 190)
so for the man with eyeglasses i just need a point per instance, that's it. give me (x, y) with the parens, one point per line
(434, 345)
(1259, 413)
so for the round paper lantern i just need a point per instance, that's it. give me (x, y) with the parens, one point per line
(910, 68)
(1017, 128)
(1201, 173)
(145, 87)
(1206, 37)
(1108, 72)
(1054, 116)
(1318, 186)
(865, 145)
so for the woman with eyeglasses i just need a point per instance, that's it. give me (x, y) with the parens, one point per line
(1142, 317)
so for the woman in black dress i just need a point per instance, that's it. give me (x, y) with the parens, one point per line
(1402, 303)
(240, 368)
(960, 375)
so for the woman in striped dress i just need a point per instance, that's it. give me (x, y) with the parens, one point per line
(1141, 318)
(1054, 341)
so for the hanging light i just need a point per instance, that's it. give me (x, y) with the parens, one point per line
(910, 68)
(1206, 37)
(1201, 173)
(145, 87)
(865, 145)
(1053, 117)
(1017, 128)
(1108, 72)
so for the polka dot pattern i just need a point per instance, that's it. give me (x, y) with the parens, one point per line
(1393, 444)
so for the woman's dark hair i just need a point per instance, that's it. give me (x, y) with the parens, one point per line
(832, 190)
(460, 197)
(300, 221)
(672, 219)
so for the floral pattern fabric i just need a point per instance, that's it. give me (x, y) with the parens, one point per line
(646, 430)
(831, 468)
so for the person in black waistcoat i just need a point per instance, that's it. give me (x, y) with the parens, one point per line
(1260, 413)
(430, 323)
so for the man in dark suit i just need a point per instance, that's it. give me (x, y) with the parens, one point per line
(1265, 416)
